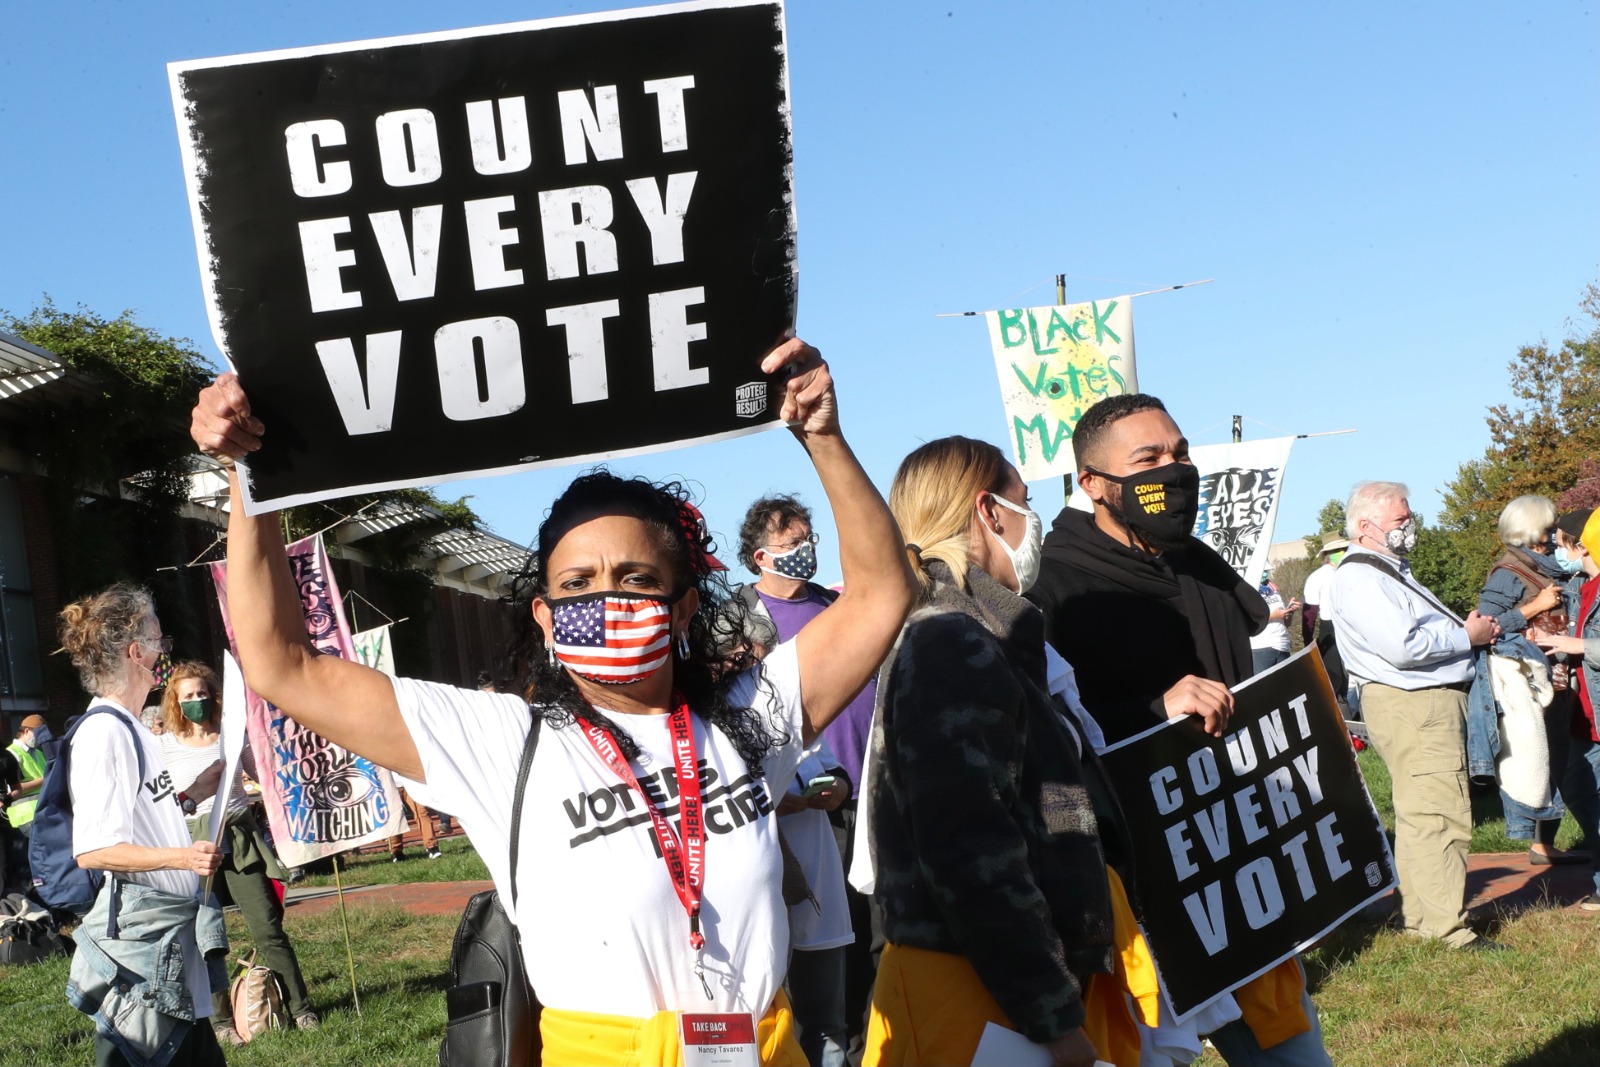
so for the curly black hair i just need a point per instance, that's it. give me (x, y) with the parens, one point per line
(764, 515)
(719, 651)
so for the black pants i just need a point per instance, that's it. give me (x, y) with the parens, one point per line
(199, 1049)
(861, 956)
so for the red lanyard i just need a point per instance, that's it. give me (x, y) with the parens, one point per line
(686, 861)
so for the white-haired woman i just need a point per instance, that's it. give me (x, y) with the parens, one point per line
(1523, 585)
(131, 826)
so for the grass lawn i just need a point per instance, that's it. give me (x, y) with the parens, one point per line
(401, 971)
(1388, 1000)
(460, 863)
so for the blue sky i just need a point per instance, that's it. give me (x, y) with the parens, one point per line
(1392, 199)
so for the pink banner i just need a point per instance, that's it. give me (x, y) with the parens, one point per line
(320, 799)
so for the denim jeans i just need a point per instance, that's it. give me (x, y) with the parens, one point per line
(1262, 658)
(1237, 1044)
(1582, 790)
(816, 995)
(1520, 818)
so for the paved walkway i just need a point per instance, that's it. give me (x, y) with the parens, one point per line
(1498, 883)
(1505, 882)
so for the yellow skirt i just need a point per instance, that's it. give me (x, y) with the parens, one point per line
(931, 1008)
(584, 1038)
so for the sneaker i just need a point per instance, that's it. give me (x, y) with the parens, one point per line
(228, 1037)
(396, 857)
(307, 1020)
(1590, 902)
(434, 853)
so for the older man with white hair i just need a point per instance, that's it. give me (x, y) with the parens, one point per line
(1412, 659)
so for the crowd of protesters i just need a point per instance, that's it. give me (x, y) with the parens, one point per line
(871, 819)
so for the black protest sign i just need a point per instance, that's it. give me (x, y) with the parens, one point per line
(1253, 845)
(498, 248)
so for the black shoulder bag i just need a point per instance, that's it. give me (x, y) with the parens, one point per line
(493, 1013)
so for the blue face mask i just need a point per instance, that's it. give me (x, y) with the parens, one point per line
(1567, 564)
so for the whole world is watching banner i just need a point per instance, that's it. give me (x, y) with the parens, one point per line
(320, 799)
(494, 249)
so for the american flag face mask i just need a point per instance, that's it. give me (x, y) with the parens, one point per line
(613, 638)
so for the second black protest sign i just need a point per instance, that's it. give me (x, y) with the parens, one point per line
(1251, 845)
(496, 248)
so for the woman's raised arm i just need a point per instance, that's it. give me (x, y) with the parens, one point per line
(840, 650)
(349, 704)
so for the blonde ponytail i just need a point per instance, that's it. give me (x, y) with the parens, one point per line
(932, 499)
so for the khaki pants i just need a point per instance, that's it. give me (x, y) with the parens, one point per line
(1422, 737)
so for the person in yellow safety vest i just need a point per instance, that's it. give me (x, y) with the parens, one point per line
(31, 763)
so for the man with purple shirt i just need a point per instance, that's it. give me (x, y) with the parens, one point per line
(777, 544)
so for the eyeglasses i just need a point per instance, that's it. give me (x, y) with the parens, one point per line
(160, 644)
(790, 546)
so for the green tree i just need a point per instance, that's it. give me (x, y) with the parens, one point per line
(1330, 524)
(116, 463)
(1538, 443)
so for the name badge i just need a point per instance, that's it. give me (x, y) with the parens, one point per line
(718, 1040)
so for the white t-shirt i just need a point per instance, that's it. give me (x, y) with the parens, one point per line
(1276, 635)
(187, 761)
(110, 807)
(602, 928)
(826, 922)
(1317, 587)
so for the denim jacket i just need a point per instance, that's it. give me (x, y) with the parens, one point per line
(128, 971)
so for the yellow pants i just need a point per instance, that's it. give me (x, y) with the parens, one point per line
(584, 1038)
(1271, 1004)
(931, 1008)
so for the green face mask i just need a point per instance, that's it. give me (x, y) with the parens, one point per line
(196, 710)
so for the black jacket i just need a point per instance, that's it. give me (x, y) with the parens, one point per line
(984, 834)
(1132, 624)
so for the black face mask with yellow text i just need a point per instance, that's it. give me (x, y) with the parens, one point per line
(1158, 506)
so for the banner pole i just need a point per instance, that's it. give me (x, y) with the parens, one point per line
(344, 918)
(1061, 301)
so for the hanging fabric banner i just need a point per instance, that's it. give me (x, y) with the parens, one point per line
(1054, 363)
(1240, 487)
(320, 799)
(372, 649)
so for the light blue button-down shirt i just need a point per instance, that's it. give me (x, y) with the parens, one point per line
(1391, 632)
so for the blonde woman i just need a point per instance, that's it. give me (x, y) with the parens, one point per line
(191, 711)
(989, 866)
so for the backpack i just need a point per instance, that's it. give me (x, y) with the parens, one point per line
(493, 1015)
(27, 933)
(257, 1000)
(57, 879)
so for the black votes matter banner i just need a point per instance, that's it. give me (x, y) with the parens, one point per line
(499, 248)
(1253, 845)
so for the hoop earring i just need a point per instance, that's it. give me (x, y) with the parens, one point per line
(683, 643)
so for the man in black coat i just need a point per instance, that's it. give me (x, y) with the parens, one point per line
(1155, 624)
(1153, 621)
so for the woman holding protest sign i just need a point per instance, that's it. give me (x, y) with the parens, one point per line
(997, 903)
(640, 721)
(191, 709)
